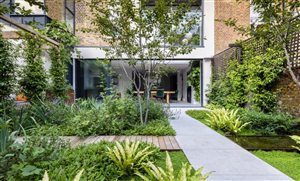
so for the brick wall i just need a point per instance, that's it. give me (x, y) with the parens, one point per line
(225, 9)
(56, 9)
(83, 19)
(288, 94)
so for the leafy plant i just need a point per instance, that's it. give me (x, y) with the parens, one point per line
(266, 123)
(77, 177)
(297, 140)
(186, 172)
(25, 161)
(226, 120)
(129, 156)
(249, 82)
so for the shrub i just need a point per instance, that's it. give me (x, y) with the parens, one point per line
(115, 116)
(186, 172)
(226, 121)
(266, 123)
(130, 156)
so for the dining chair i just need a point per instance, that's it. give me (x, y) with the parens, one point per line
(160, 94)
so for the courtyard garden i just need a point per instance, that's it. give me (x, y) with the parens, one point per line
(243, 99)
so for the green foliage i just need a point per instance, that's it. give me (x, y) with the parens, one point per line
(286, 162)
(60, 56)
(194, 80)
(250, 81)
(266, 123)
(25, 161)
(58, 71)
(7, 68)
(297, 140)
(158, 174)
(129, 156)
(33, 79)
(93, 158)
(226, 121)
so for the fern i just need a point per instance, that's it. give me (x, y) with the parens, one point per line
(186, 172)
(129, 156)
(226, 120)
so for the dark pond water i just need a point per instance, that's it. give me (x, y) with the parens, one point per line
(265, 142)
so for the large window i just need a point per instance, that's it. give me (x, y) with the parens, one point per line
(70, 14)
(195, 36)
(35, 10)
(37, 15)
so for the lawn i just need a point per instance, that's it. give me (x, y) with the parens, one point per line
(287, 162)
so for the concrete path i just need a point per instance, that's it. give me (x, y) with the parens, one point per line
(205, 147)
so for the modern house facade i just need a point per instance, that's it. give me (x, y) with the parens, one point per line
(84, 72)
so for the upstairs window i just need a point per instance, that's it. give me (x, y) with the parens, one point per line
(70, 14)
(35, 10)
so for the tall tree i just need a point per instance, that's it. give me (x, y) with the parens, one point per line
(145, 35)
(278, 21)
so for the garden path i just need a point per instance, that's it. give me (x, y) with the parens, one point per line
(228, 161)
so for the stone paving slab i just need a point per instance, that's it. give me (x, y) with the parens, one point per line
(228, 161)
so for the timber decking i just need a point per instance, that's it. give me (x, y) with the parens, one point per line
(165, 143)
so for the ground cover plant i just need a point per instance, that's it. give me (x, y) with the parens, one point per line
(112, 116)
(287, 162)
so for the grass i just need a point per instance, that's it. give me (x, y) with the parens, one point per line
(287, 162)
(177, 157)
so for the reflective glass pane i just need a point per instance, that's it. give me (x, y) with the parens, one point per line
(70, 20)
(70, 5)
(34, 9)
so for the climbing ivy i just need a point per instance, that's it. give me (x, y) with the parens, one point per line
(33, 76)
(194, 79)
(58, 71)
(249, 82)
(60, 56)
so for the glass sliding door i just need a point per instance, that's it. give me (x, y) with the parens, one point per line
(90, 77)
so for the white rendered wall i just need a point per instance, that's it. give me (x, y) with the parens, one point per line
(207, 72)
